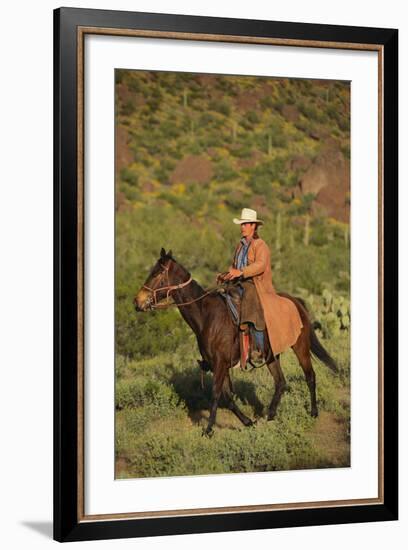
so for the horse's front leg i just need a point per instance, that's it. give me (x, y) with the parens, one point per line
(216, 394)
(218, 381)
(229, 397)
(280, 386)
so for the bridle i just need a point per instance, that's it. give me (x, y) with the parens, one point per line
(156, 304)
(169, 288)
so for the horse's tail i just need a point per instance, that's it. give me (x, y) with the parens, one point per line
(320, 352)
(315, 346)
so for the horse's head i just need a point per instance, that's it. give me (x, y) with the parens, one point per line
(158, 283)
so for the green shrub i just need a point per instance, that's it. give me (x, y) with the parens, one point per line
(141, 392)
(224, 171)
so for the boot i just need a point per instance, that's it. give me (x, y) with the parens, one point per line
(256, 355)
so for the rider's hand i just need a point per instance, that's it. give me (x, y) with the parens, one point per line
(232, 274)
(220, 277)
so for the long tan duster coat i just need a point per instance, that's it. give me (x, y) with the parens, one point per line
(282, 319)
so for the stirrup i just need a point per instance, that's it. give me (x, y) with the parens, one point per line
(258, 360)
(244, 349)
(256, 355)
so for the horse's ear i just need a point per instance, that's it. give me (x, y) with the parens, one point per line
(162, 253)
(169, 253)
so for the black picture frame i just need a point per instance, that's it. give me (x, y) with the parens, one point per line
(68, 525)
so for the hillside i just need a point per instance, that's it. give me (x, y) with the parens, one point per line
(233, 140)
(193, 150)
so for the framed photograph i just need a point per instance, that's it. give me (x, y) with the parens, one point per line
(225, 237)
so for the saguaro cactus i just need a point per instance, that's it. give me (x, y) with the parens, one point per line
(346, 235)
(306, 235)
(291, 239)
(234, 130)
(278, 231)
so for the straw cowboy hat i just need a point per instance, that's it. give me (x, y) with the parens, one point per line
(247, 215)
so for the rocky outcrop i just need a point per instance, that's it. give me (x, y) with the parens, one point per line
(192, 169)
(328, 177)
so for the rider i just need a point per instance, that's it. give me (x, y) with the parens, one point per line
(261, 306)
(251, 317)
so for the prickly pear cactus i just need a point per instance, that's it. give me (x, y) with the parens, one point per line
(331, 311)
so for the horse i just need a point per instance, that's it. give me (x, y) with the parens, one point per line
(217, 335)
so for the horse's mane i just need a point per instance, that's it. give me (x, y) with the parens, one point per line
(195, 286)
(169, 256)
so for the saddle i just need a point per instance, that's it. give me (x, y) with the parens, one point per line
(249, 353)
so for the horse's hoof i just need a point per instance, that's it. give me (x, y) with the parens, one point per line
(271, 416)
(207, 432)
(250, 423)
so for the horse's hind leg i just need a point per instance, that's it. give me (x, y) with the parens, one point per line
(280, 386)
(228, 395)
(302, 351)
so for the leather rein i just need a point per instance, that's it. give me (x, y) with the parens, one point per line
(169, 288)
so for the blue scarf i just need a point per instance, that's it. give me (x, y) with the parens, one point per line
(242, 258)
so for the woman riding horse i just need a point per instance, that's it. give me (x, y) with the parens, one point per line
(261, 306)
(285, 317)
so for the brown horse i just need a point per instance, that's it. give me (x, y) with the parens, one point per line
(218, 338)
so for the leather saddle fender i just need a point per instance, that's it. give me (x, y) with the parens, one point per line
(232, 296)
